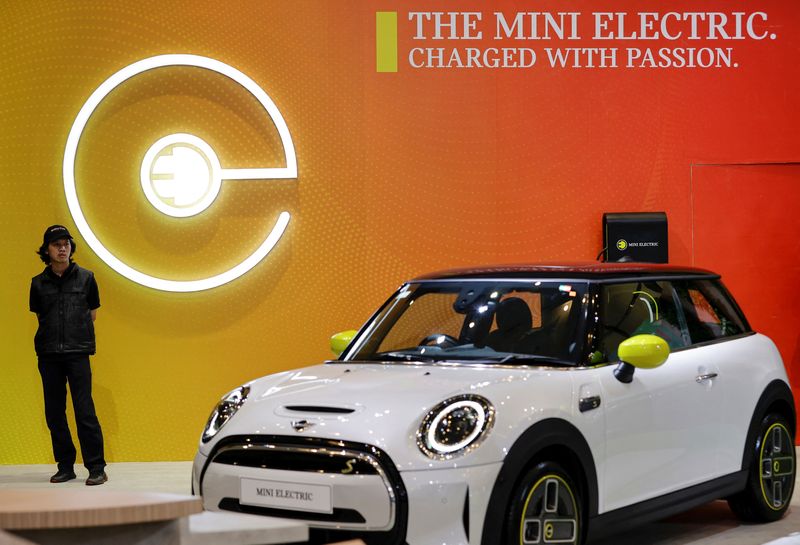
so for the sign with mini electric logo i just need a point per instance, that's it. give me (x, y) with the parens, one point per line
(600, 39)
(636, 236)
(623, 244)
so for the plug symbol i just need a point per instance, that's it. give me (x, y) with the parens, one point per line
(181, 175)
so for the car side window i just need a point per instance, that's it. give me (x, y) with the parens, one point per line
(646, 307)
(710, 314)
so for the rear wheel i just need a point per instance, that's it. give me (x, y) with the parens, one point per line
(546, 508)
(770, 481)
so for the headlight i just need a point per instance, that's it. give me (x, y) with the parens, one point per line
(224, 411)
(455, 426)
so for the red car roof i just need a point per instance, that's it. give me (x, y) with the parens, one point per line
(586, 269)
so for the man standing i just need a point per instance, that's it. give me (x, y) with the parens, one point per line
(65, 299)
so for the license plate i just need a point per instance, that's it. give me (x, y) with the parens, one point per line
(283, 495)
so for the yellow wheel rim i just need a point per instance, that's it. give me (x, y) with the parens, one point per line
(776, 466)
(550, 513)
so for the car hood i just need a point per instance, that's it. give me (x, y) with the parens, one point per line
(376, 404)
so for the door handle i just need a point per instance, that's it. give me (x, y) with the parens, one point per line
(588, 403)
(707, 376)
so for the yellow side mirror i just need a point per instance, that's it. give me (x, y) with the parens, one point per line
(642, 351)
(340, 341)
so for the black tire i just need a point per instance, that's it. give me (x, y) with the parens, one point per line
(770, 481)
(546, 506)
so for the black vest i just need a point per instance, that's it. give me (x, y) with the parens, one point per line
(65, 319)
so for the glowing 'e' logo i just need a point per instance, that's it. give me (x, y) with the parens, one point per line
(181, 174)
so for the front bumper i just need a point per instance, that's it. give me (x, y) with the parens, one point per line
(370, 499)
(448, 506)
(367, 495)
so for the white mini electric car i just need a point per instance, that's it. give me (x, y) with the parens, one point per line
(529, 404)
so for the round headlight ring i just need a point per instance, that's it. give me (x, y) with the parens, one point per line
(455, 426)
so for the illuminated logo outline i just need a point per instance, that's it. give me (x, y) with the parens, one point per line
(622, 244)
(287, 172)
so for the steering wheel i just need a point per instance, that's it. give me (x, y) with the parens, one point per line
(439, 339)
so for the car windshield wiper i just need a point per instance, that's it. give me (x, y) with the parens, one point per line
(403, 356)
(536, 359)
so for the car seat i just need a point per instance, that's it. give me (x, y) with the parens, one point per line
(514, 321)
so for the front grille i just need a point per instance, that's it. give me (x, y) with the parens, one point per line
(327, 456)
(271, 457)
(338, 515)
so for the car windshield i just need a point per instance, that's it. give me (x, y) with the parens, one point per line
(525, 322)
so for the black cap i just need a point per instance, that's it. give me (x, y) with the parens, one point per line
(55, 232)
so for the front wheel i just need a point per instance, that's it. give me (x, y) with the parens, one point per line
(770, 481)
(546, 508)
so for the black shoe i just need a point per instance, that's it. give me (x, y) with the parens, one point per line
(62, 476)
(96, 477)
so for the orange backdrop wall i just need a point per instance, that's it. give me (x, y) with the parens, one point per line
(399, 173)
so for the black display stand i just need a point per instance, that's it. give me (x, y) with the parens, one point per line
(636, 236)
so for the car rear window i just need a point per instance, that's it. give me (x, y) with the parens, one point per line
(710, 313)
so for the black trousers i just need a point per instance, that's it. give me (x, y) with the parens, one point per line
(56, 372)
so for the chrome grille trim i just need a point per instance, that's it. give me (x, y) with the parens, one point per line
(325, 451)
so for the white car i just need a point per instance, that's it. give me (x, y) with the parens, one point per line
(525, 404)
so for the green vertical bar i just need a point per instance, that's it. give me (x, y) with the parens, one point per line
(386, 41)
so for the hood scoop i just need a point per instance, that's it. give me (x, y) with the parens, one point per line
(318, 409)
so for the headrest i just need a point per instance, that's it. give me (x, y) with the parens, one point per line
(513, 313)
